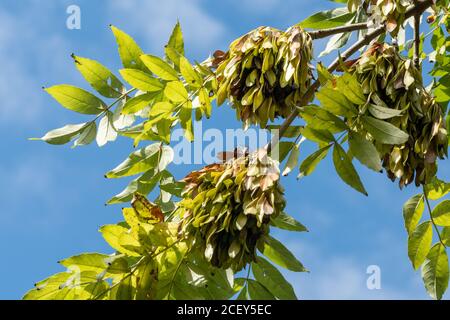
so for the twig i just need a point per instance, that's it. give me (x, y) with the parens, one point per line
(417, 41)
(323, 33)
(431, 216)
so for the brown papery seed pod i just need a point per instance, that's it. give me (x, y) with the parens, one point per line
(227, 207)
(264, 73)
(396, 95)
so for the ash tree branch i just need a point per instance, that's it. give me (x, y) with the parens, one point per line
(418, 9)
(417, 41)
(319, 34)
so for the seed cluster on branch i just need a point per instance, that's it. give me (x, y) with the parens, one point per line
(389, 12)
(265, 73)
(395, 94)
(228, 207)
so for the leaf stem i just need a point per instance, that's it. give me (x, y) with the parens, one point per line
(417, 40)
(431, 216)
(114, 103)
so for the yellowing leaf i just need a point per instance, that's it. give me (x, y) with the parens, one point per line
(419, 243)
(441, 214)
(189, 74)
(159, 67)
(76, 99)
(129, 51)
(141, 80)
(99, 77)
(176, 92)
(435, 273)
(412, 212)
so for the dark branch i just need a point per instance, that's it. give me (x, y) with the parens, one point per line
(417, 40)
(318, 34)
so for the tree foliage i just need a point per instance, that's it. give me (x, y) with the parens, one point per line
(207, 236)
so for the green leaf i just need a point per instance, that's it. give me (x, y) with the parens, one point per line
(76, 99)
(276, 252)
(99, 77)
(189, 74)
(63, 135)
(319, 118)
(336, 42)
(87, 135)
(161, 108)
(441, 214)
(327, 19)
(143, 185)
(48, 288)
(150, 157)
(141, 80)
(324, 74)
(419, 243)
(364, 151)
(186, 121)
(124, 290)
(88, 262)
(291, 132)
(176, 92)
(346, 170)
(317, 135)
(176, 39)
(243, 295)
(292, 161)
(139, 102)
(437, 189)
(412, 212)
(335, 102)
(311, 162)
(159, 67)
(257, 291)
(435, 272)
(129, 51)
(384, 132)
(114, 236)
(351, 88)
(106, 131)
(383, 113)
(286, 222)
(445, 236)
(272, 279)
(281, 150)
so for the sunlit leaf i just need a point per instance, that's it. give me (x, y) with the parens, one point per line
(412, 212)
(99, 77)
(272, 279)
(419, 243)
(435, 273)
(346, 170)
(76, 99)
(276, 252)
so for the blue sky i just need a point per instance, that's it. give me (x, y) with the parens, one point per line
(52, 198)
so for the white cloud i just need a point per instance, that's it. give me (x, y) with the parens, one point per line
(154, 21)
